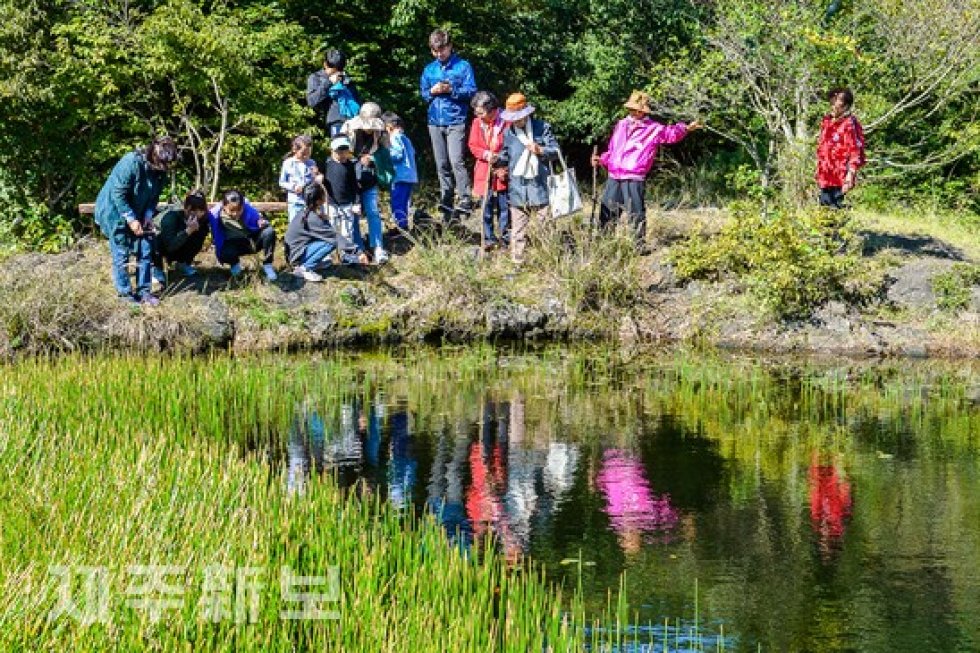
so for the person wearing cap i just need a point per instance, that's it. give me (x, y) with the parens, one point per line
(369, 142)
(124, 211)
(340, 180)
(447, 84)
(631, 153)
(529, 146)
(486, 141)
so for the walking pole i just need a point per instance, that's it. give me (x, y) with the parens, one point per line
(595, 177)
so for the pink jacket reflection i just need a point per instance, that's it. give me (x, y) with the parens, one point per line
(631, 505)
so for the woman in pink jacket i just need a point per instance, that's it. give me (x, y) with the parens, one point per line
(632, 150)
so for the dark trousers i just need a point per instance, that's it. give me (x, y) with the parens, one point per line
(233, 250)
(625, 195)
(449, 147)
(832, 196)
(184, 254)
(497, 203)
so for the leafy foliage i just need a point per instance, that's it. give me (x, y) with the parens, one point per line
(792, 261)
(83, 81)
(954, 288)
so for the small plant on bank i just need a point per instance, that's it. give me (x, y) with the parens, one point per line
(599, 272)
(954, 288)
(792, 261)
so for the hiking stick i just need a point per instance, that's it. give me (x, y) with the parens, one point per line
(483, 212)
(595, 185)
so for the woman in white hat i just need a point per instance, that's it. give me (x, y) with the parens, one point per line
(369, 142)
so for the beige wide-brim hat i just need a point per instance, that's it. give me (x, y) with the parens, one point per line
(360, 124)
(639, 101)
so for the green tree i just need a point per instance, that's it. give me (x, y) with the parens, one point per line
(759, 72)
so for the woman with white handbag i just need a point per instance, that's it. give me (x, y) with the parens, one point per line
(529, 148)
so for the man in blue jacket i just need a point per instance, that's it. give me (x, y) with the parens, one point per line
(448, 84)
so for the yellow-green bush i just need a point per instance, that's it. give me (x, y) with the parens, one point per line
(792, 260)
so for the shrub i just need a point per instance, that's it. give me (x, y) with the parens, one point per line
(791, 260)
(954, 288)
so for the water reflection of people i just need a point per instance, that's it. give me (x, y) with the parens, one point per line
(446, 485)
(304, 448)
(402, 469)
(632, 507)
(521, 498)
(488, 473)
(830, 505)
(309, 448)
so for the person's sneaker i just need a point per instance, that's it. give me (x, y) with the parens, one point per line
(148, 299)
(186, 269)
(309, 275)
(129, 300)
(380, 255)
(236, 270)
(158, 281)
(270, 272)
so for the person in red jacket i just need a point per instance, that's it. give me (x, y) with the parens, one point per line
(840, 150)
(485, 142)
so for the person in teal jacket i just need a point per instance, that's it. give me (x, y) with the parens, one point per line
(124, 212)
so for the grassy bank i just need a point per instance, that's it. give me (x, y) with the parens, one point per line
(786, 282)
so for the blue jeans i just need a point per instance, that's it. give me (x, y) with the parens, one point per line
(316, 252)
(293, 210)
(142, 248)
(369, 207)
(496, 203)
(401, 193)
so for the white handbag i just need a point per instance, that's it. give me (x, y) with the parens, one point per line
(563, 196)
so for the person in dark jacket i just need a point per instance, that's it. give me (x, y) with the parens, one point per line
(529, 147)
(343, 180)
(331, 92)
(182, 233)
(124, 212)
(311, 238)
(447, 85)
(238, 229)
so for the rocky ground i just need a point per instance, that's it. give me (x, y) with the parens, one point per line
(439, 288)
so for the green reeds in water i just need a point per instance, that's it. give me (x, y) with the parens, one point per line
(117, 464)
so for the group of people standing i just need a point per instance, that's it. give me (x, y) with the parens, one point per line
(513, 150)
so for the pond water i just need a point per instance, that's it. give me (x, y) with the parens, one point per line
(787, 507)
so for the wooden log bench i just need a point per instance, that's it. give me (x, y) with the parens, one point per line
(262, 207)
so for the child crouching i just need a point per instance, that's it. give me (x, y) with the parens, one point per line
(311, 238)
